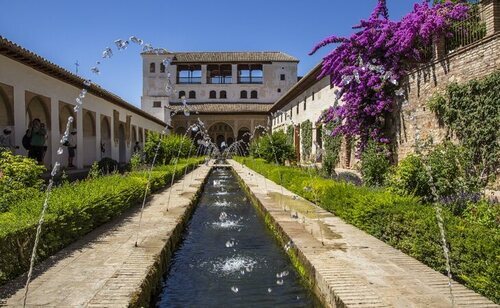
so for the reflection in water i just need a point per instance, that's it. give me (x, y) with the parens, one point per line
(228, 257)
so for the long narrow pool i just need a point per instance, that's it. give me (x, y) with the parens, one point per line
(229, 258)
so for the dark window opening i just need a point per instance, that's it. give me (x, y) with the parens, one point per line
(282, 77)
(279, 90)
(219, 73)
(243, 94)
(223, 94)
(305, 105)
(189, 74)
(152, 67)
(212, 94)
(313, 95)
(162, 68)
(298, 108)
(156, 104)
(182, 94)
(253, 94)
(192, 94)
(250, 73)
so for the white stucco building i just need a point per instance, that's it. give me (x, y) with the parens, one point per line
(32, 87)
(231, 92)
(307, 100)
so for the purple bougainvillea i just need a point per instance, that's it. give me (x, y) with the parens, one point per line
(368, 66)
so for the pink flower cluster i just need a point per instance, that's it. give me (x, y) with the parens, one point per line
(368, 66)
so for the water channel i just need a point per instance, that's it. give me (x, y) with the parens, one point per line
(228, 257)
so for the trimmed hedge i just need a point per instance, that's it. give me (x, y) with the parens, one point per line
(74, 210)
(403, 222)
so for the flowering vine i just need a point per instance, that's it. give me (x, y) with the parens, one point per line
(367, 67)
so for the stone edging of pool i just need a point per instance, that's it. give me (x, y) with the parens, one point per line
(352, 268)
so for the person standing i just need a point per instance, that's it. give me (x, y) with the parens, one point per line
(6, 142)
(71, 144)
(37, 135)
(137, 147)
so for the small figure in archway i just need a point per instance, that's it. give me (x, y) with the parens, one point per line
(137, 147)
(223, 146)
(6, 142)
(71, 144)
(37, 135)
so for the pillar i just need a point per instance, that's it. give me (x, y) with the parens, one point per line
(55, 133)
(203, 73)
(234, 74)
(98, 136)
(491, 15)
(79, 139)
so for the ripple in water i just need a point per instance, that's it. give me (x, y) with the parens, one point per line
(233, 265)
(227, 224)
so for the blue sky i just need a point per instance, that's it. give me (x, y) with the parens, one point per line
(66, 31)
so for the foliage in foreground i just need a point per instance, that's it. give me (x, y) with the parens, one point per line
(19, 178)
(75, 209)
(405, 223)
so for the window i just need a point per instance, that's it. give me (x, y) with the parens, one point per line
(181, 94)
(243, 94)
(279, 90)
(192, 94)
(282, 77)
(313, 95)
(157, 104)
(250, 73)
(253, 94)
(189, 74)
(219, 73)
(305, 104)
(162, 68)
(298, 108)
(291, 113)
(152, 67)
(222, 94)
(213, 94)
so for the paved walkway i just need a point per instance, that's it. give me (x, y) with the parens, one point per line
(353, 268)
(104, 269)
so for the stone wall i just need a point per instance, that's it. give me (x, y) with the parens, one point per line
(471, 62)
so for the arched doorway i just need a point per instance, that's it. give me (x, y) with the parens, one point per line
(105, 137)
(65, 111)
(221, 132)
(122, 158)
(89, 139)
(38, 109)
(6, 116)
(134, 137)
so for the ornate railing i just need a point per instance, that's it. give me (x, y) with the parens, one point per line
(467, 31)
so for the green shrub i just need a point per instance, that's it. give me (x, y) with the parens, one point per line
(404, 223)
(136, 162)
(409, 177)
(483, 213)
(273, 148)
(75, 209)
(171, 146)
(374, 164)
(19, 178)
(107, 165)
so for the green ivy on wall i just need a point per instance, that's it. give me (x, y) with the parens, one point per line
(306, 134)
(289, 134)
(331, 145)
(471, 112)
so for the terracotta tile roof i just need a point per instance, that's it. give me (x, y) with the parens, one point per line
(31, 59)
(224, 108)
(231, 57)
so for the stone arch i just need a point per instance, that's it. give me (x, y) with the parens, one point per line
(134, 136)
(105, 137)
(89, 138)
(38, 108)
(221, 131)
(6, 114)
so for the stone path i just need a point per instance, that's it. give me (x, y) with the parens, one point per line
(104, 269)
(353, 268)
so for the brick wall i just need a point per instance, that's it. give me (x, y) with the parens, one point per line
(474, 61)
